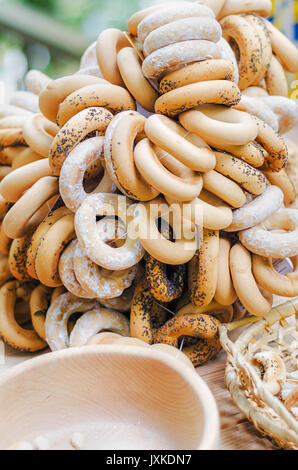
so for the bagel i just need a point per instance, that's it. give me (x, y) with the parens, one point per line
(187, 148)
(31, 208)
(238, 29)
(213, 69)
(244, 283)
(119, 156)
(57, 90)
(258, 210)
(163, 180)
(112, 97)
(218, 125)
(109, 43)
(263, 240)
(123, 257)
(146, 315)
(12, 333)
(74, 131)
(131, 72)
(222, 92)
(203, 270)
(159, 62)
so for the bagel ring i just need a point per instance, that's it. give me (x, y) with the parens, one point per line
(284, 49)
(224, 188)
(245, 284)
(38, 236)
(116, 259)
(58, 315)
(109, 43)
(165, 15)
(219, 125)
(264, 241)
(5, 242)
(89, 58)
(57, 90)
(137, 17)
(14, 185)
(262, 32)
(276, 80)
(227, 53)
(4, 171)
(248, 177)
(223, 313)
(36, 81)
(283, 181)
(8, 154)
(153, 170)
(256, 211)
(12, 333)
(111, 97)
(131, 72)
(165, 284)
(274, 144)
(119, 158)
(95, 321)
(168, 252)
(102, 283)
(50, 249)
(286, 110)
(4, 206)
(5, 274)
(225, 293)
(31, 208)
(25, 100)
(11, 131)
(213, 69)
(40, 301)
(184, 29)
(38, 133)
(122, 303)
(235, 7)
(203, 270)
(251, 153)
(274, 282)
(243, 34)
(86, 154)
(74, 131)
(222, 92)
(18, 258)
(25, 157)
(163, 60)
(203, 327)
(146, 314)
(215, 214)
(257, 107)
(67, 273)
(188, 148)
(7, 110)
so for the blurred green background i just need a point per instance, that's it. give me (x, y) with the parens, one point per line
(82, 21)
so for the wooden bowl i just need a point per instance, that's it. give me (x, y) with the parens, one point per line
(116, 397)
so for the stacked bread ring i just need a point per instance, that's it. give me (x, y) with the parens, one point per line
(149, 194)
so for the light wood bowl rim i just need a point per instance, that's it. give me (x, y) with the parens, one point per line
(210, 432)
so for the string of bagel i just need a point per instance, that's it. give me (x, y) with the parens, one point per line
(174, 127)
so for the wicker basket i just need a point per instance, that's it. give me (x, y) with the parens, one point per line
(277, 332)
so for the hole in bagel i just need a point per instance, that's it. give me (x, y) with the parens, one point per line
(235, 48)
(118, 238)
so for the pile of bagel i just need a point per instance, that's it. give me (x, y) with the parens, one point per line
(152, 194)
